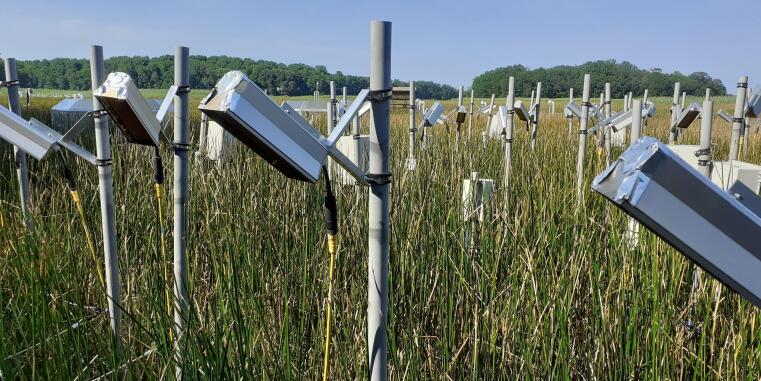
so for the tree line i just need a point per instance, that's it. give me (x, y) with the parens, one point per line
(158, 73)
(622, 76)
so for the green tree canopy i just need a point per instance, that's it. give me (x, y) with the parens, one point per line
(623, 77)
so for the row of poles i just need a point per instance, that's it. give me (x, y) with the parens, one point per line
(378, 202)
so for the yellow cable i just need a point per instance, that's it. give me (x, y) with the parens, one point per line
(88, 236)
(164, 253)
(332, 251)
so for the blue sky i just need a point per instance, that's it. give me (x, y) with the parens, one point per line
(443, 41)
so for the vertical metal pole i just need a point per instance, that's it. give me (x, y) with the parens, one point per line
(674, 113)
(636, 130)
(608, 134)
(332, 119)
(535, 119)
(488, 121)
(738, 120)
(626, 102)
(582, 140)
(706, 127)
(684, 97)
(632, 232)
(378, 204)
(202, 138)
(411, 164)
(106, 187)
(630, 100)
(570, 118)
(181, 143)
(22, 169)
(344, 93)
(470, 115)
(644, 97)
(459, 97)
(509, 138)
(746, 131)
(531, 99)
(708, 94)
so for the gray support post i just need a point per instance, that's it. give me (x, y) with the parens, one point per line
(344, 93)
(181, 144)
(708, 93)
(706, 127)
(636, 130)
(22, 169)
(531, 100)
(684, 98)
(411, 164)
(459, 96)
(509, 138)
(607, 134)
(582, 140)
(535, 119)
(746, 131)
(106, 187)
(470, 115)
(674, 113)
(626, 103)
(630, 100)
(378, 203)
(332, 115)
(203, 135)
(738, 120)
(570, 117)
(485, 134)
(644, 97)
(632, 231)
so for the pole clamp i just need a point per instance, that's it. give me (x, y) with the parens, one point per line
(180, 147)
(582, 132)
(379, 178)
(183, 89)
(356, 137)
(9, 83)
(743, 85)
(379, 95)
(738, 120)
(509, 140)
(412, 107)
(98, 113)
(510, 112)
(701, 152)
(588, 104)
(103, 162)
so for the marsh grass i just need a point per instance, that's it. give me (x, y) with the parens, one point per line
(549, 292)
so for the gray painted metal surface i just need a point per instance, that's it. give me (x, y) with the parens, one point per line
(713, 228)
(433, 114)
(754, 104)
(535, 115)
(129, 110)
(582, 140)
(738, 121)
(687, 116)
(675, 111)
(22, 169)
(181, 143)
(378, 204)
(509, 129)
(106, 188)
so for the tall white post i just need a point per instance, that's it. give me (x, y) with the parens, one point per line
(411, 163)
(378, 204)
(570, 117)
(535, 119)
(181, 144)
(22, 169)
(739, 118)
(470, 115)
(582, 140)
(509, 138)
(106, 187)
(675, 110)
(485, 134)
(608, 134)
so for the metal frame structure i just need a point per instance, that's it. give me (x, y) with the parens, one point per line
(718, 230)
